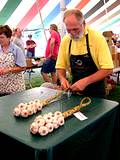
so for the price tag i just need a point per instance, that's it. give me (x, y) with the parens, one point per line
(80, 116)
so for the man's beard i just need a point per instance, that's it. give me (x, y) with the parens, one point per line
(77, 37)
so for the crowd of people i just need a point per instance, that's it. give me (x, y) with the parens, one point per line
(83, 54)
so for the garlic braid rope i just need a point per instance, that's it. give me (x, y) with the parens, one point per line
(83, 103)
(32, 107)
(43, 125)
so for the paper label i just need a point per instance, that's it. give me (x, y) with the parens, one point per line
(80, 116)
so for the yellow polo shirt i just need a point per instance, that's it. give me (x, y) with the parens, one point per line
(98, 47)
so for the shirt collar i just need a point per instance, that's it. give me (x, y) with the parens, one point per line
(86, 29)
(10, 48)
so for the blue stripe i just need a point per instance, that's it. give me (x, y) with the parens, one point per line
(53, 14)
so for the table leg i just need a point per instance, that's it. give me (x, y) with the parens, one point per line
(30, 79)
(50, 154)
(39, 155)
(118, 74)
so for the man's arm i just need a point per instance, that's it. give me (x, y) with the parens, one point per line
(52, 43)
(81, 84)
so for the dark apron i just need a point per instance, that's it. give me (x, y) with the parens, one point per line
(83, 66)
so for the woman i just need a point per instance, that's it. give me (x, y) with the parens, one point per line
(12, 62)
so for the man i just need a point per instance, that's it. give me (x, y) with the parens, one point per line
(85, 53)
(51, 55)
(17, 34)
(30, 46)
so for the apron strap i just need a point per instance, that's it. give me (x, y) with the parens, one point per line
(87, 43)
(69, 51)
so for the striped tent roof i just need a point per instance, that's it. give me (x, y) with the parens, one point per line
(101, 14)
(35, 16)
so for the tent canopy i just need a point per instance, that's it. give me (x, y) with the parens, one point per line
(35, 16)
(101, 14)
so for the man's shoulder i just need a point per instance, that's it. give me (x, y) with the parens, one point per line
(55, 34)
(30, 40)
(66, 38)
(93, 32)
(14, 48)
(27, 41)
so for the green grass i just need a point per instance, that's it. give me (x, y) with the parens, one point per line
(35, 82)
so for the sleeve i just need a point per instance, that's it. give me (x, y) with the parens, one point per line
(54, 35)
(34, 42)
(104, 55)
(27, 42)
(63, 57)
(20, 58)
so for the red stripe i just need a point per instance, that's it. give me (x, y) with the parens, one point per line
(31, 14)
(82, 4)
(115, 4)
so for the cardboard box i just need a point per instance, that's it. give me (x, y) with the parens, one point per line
(114, 56)
(108, 34)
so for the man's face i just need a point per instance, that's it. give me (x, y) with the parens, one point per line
(19, 32)
(74, 27)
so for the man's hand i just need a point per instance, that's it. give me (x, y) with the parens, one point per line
(80, 85)
(65, 85)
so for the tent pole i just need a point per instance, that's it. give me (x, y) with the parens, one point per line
(62, 10)
(106, 11)
(38, 7)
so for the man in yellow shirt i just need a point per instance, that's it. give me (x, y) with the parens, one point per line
(85, 53)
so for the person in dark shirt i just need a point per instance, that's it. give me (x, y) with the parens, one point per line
(30, 47)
